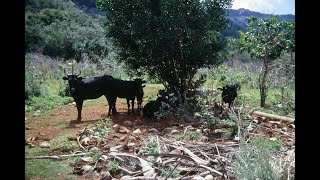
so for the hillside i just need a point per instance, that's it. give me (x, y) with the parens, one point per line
(238, 17)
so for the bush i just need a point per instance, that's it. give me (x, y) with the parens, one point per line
(254, 161)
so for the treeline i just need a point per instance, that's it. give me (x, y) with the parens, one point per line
(60, 29)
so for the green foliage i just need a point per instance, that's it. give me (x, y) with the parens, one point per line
(166, 170)
(151, 145)
(63, 31)
(204, 110)
(268, 37)
(193, 135)
(113, 166)
(253, 161)
(168, 39)
(67, 146)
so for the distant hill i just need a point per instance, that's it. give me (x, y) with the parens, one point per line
(238, 22)
(237, 17)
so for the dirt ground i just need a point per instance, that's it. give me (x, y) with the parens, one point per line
(64, 118)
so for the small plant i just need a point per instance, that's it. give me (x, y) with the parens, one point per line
(254, 161)
(193, 135)
(113, 166)
(166, 170)
(150, 147)
(96, 155)
(164, 111)
(67, 146)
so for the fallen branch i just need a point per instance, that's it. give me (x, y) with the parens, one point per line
(272, 116)
(149, 171)
(78, 140)
(193, 156)
(212, 170)
(55, 157)
(172, 170)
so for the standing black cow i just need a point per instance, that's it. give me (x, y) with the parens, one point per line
(229, 93)
(129, 90)
(90, 88)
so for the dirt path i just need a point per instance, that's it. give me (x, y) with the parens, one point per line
(63, 118)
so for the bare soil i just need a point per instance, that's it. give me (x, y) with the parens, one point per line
(64, 118)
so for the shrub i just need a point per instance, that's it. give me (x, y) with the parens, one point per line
(254, 161)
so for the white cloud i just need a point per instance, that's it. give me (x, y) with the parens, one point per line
(266, 6)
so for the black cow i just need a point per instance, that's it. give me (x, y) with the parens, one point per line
(89, 88)
(229, 93)
(129, 90)
(153, 106)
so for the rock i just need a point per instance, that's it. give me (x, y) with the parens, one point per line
(86, 169)
(209, 177)
(87, 159)
(285, 129)
(292, 126)
(128, 123)
(174, 131)
(167, 130)
(94, 149)
(131, 144)
(85, 141)
(190, 127)
(137, 131)
(197, 177)
(45, 145)
(273, 139)
(122, 138)
(153, 130)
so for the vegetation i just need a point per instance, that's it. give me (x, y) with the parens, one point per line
(266, 39)
(181, 45)
(169, 40)
(254, 160)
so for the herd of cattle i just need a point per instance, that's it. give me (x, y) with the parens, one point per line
(92, 88)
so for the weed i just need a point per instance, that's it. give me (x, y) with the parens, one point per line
(254, 161)
(113, 166)
(193, 135)
(166, 170)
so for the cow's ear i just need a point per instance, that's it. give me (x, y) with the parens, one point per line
(65, 78)
(80, 78)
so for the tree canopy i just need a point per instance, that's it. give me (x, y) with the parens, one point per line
(168, 39)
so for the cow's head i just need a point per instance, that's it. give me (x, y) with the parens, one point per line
(164, 96)
(139, 91)
(73, 81)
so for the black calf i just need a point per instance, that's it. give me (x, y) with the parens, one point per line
(229, 93)
(129, 90)
(153, 106)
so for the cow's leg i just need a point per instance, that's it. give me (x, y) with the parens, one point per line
(111, 103)
(79, 108)
(221, 109)
(132, 103)
(128, 103)
(114, 109)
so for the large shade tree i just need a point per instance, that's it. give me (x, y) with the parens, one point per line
(265, 39)
(168, 39)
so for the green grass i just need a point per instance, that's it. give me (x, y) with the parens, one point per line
(46, 168)
(49, 169)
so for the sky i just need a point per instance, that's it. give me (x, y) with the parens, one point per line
(276, 7)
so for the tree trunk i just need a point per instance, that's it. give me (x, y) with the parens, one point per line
(262, 82)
